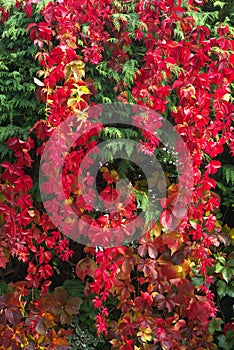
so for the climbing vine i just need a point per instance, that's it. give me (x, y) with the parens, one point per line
(156, 292)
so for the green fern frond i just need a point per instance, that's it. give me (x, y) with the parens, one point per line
(131, 18)
(103, 70)
(228, 173)
(42, 4)
(112, 132)
(129, 70)
(176, 70)
(11, 131)
(123, 6)
(178, 32)
(202, 18)
(124, 167)
(220, 4)
(142, 200)
(7, 4)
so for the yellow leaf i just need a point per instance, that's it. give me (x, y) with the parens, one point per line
(48, 320)
(84, 89)
(69, 200)
(146, 335)
(156, 230)
(231, 233)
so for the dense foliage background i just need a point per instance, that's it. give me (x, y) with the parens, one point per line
(169, 290)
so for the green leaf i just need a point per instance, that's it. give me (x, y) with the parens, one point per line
(222, 342)
(227, 274)
(222, 187)
(230, 291)
(222, 289)
(215, 325)
(219, 268)
(193, 223)
(222, 260)
(197, 281)
(3, 288)
(231, 263)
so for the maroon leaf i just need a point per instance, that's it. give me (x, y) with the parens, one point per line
(65, 318)
(40, 327)
(152, 251)
(13, 316)
(177, 258)
(72, 307)
(142, 250)
(60, 295)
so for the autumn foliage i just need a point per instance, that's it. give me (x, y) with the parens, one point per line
(155, 54)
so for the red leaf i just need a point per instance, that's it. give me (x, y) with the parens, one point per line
(199, 311)
(28, 9)
(166, 218)
(213, 166)
(31, 25)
